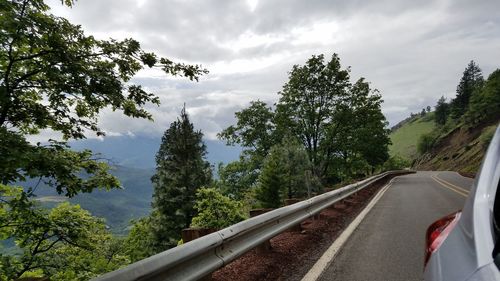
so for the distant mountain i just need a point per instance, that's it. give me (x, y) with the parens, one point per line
(140, 151)
(133, 159)
(117, 206)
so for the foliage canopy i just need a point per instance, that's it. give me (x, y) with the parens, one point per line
(55, 77)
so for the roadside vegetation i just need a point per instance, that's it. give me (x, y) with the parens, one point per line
(456, 134)
(324, 130)
(292, 150)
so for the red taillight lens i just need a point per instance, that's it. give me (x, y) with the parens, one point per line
(437, 233)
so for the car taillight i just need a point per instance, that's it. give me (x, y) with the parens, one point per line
(437, 233)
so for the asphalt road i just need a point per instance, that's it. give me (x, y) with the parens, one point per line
(389, 243)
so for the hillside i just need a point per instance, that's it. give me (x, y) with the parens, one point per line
(461, 149)
(462, 128)
(405, 135)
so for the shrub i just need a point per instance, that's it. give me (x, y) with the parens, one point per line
(487, 135)
(425, 143)
(396, 163)
(216, 210)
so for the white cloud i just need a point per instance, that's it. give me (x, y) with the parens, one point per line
(252, 4)
(252, 40)
(412, 51)
(324, 33)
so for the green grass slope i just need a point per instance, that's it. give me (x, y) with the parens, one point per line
(405, 138)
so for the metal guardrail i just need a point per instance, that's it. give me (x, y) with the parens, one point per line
(200, 257)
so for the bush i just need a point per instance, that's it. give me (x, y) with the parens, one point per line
(139, 244)
(487, 135)
(216, 210)
(425, 143)
(396, 163)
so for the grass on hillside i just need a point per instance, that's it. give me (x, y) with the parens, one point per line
(404, 140)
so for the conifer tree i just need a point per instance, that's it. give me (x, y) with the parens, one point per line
(181, 169)
(272, 180)
(471, 80)
(442, 110)
(485, 103)
(286, 173)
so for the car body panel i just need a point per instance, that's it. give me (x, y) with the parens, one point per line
(487, 272)
(466, 254)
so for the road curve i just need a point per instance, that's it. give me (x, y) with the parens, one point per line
(389, 243)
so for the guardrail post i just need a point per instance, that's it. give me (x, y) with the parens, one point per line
(291, 201)
(189, 234)
(192, 233)
(327, 189)
(265, 246)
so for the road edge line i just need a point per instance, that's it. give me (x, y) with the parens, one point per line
(328, 256)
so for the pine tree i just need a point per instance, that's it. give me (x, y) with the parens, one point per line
(471, 80)
(442, 111)
(485, 102)
(181, 169)
(286, 173)
(272, 180)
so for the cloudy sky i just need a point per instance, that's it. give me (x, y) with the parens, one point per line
(412, 51)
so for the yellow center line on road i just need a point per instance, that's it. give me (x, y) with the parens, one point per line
(455, 186)
(450, 187)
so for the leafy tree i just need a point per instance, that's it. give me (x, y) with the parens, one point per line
(64, 243)
(371, 135)
(471, 80)
(139, 244)
(340, 125)
(254, 129)
(181, 169)
(52, 163)
(237, 178)
(216, 210)
(357, 138)
(428, 108)
(442, 111)
(307, 102)
(55, 77)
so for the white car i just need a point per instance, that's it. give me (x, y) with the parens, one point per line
(466, 245)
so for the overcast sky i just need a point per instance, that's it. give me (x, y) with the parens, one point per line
(412, 51)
